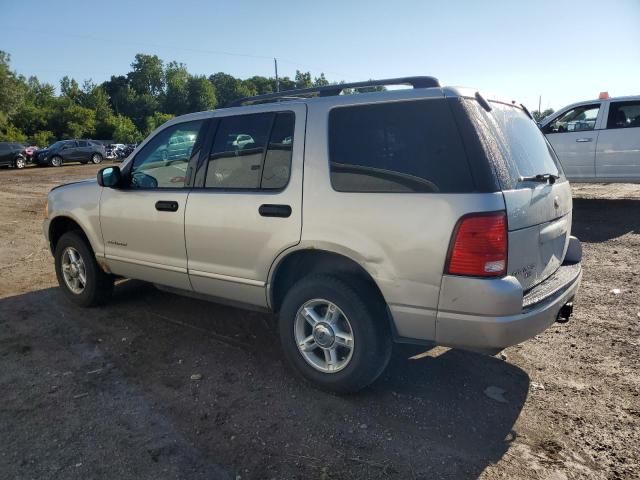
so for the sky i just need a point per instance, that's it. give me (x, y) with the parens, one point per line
(564, 51)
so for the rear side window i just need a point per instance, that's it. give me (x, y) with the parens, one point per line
(397, 147)
(624, 115)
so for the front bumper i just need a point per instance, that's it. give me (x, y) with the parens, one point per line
(538, 309)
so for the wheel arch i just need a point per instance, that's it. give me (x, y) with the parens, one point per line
(308, 261)
(62, 224)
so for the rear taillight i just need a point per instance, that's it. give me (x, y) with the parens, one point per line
(479, 246)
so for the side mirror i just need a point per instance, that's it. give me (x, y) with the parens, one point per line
(109, 177)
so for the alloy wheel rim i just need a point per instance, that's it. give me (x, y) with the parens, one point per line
(96, 158)
(74, 271)
(20, 163)
(324, 335)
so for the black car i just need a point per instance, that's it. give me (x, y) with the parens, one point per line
(12, 155)
(83, 151)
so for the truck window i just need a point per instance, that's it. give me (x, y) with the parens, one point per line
(624, 114)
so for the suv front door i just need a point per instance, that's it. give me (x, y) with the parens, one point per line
(574, 135)
(143, 222)
(247, 207)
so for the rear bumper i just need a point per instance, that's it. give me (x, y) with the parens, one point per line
(538, 309)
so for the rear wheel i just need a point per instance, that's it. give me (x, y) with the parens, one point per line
(56, 161)
(96, 158)
(79, 275)
(333, 334)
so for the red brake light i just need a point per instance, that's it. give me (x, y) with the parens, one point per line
(479, 246)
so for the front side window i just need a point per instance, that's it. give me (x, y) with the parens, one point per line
(410, 146)
(624, 115)
(162, 163)
(579, 119)
(83, 143)
(251, 152)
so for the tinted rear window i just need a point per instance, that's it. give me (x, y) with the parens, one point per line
(514, 141)
(397, 147)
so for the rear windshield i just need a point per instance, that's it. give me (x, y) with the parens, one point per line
(515, 142)
(401, 147)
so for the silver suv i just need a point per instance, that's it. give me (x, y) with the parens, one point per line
(423, 215)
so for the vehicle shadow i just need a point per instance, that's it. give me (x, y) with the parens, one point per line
(244, 409)
(599, 220)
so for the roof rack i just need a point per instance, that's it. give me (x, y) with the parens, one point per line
(332, 90)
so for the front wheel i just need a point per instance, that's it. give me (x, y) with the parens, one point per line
(96, 158)
(79, 275)
(333, 334)
(20, 162)
(56, 161)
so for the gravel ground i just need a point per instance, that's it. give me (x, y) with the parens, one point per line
(108, 393)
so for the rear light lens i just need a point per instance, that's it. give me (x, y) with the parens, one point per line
(479, 246)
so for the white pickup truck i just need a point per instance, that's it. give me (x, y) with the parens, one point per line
(597, 140)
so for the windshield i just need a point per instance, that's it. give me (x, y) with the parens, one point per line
(515, 141)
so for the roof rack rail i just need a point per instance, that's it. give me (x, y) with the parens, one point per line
(332, 90)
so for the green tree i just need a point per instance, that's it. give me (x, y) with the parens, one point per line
(537, 116)
(42, 138)
(303, 79)
(201, 94)
(147, 75)
(12, 134)
(320, 81)
(261, 85)
(229, 88)
(12, 92)
(176, 96)
(70, 89)
(155, 121)
(125, 130)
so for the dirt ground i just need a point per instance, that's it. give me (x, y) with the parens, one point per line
(107, 393)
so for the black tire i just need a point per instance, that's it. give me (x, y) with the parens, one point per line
(96, 158)
(56, 161)
(99, 285)
(369, 325)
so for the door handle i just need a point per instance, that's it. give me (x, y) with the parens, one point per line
(271, 210)
(581, 140)
(166, 206)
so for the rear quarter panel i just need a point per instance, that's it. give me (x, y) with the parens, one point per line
(401, 240)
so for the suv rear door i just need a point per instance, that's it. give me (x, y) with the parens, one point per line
(538, 213)
(247, 208)
(574, 135)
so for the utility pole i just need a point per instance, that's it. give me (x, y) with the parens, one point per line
(540, 106)
(275, 63)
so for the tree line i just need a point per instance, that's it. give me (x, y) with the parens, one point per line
(125, 108)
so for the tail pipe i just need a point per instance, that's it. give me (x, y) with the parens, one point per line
(565, 312)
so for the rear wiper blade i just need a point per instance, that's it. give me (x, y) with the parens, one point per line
(541, 177)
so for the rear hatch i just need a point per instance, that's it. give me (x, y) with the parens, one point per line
(538, 211)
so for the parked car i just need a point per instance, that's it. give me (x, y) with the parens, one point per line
(29, 151)
(83, 151)
(597, 140)
(424, 215)
(12, 155)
